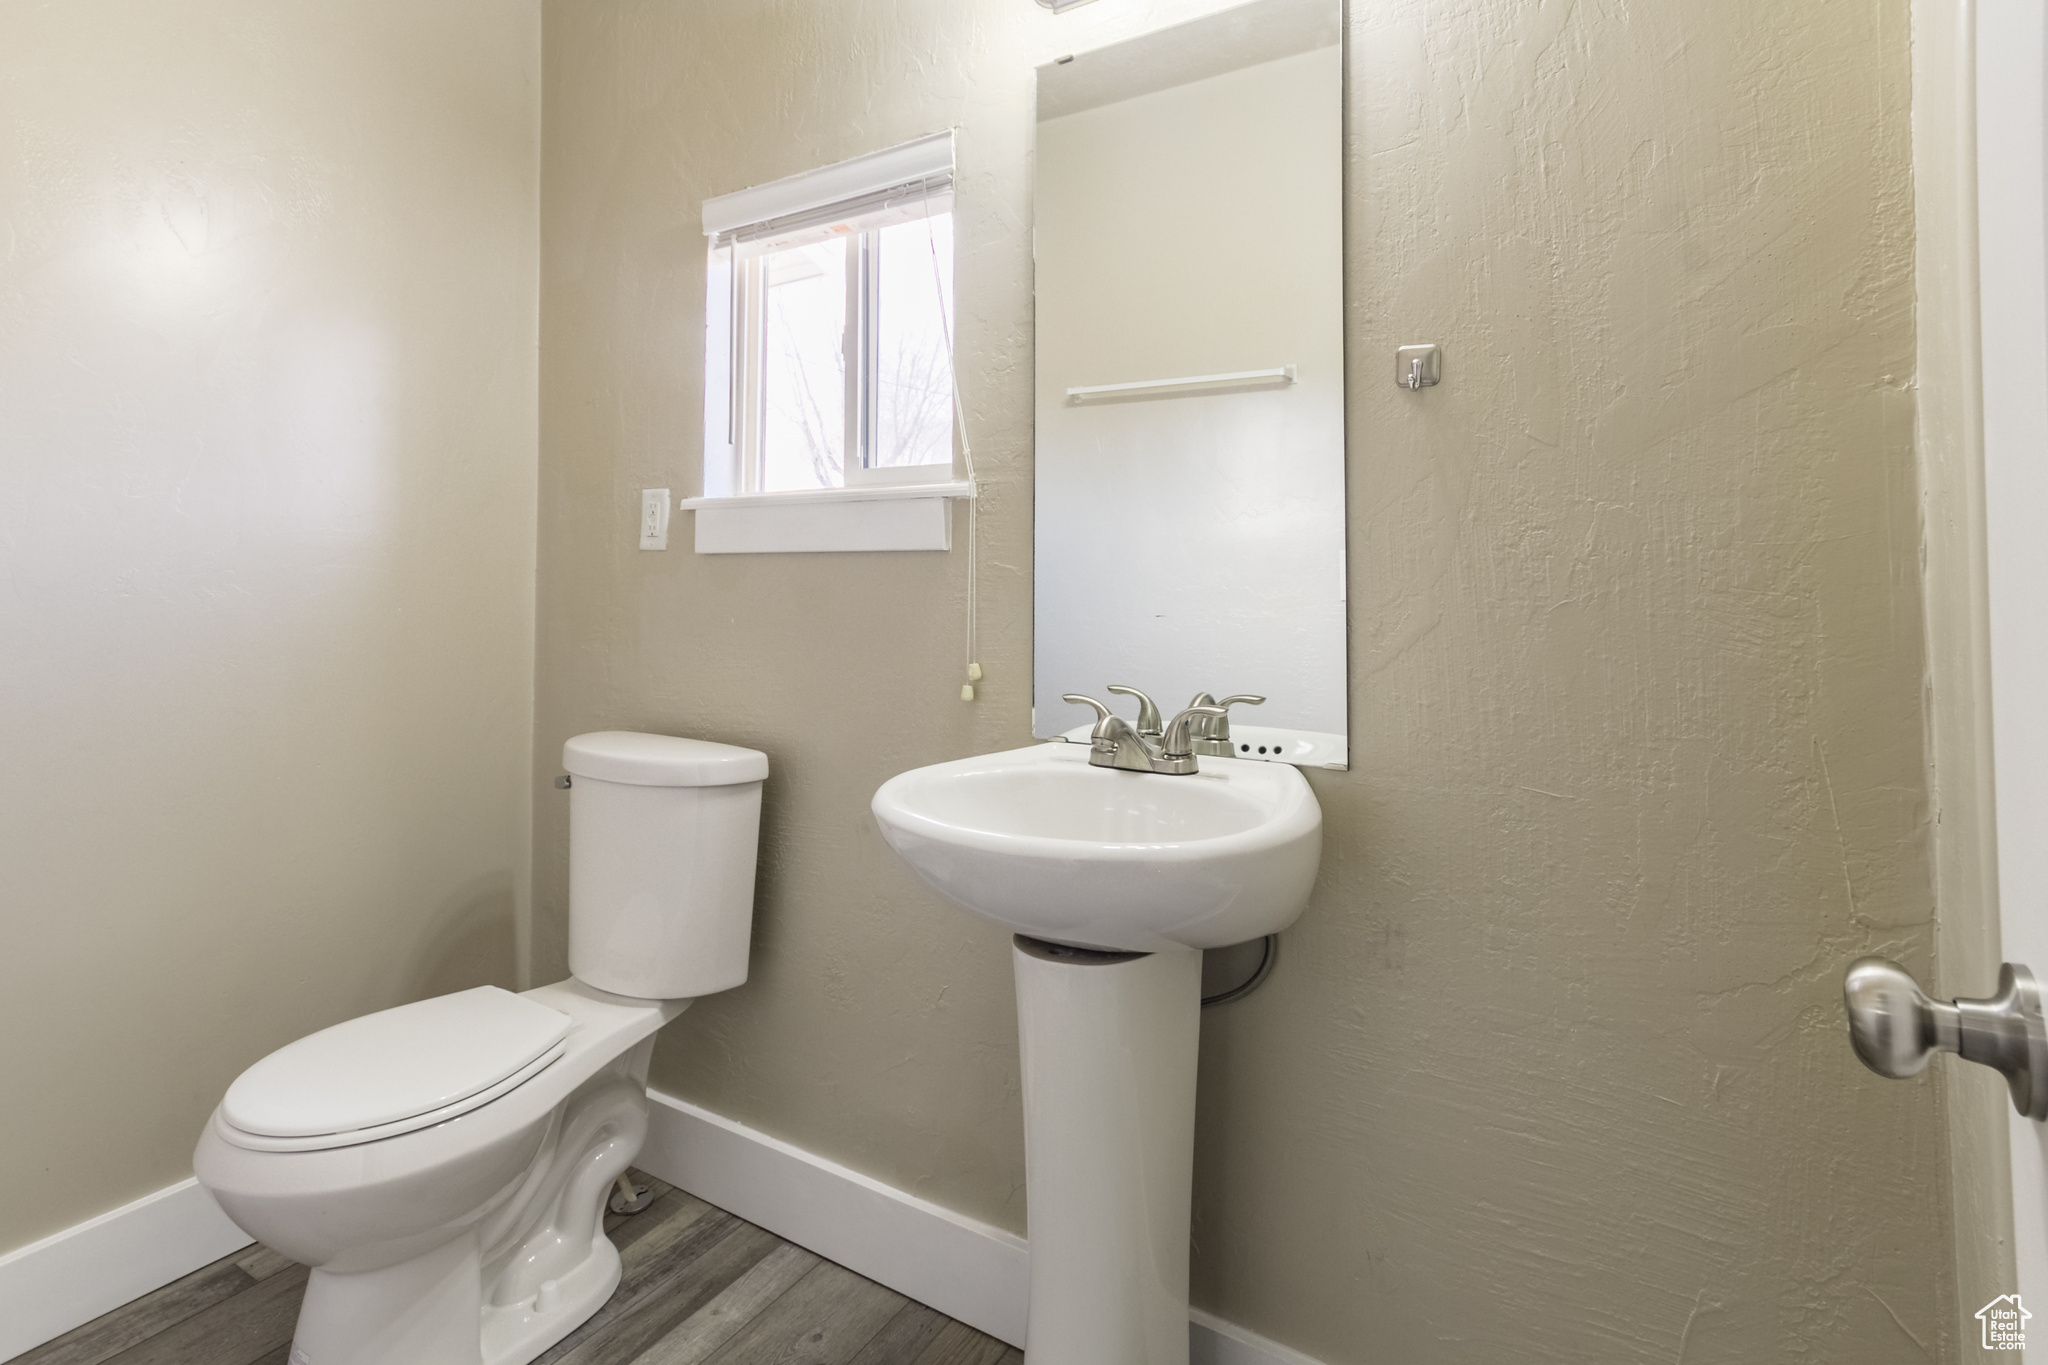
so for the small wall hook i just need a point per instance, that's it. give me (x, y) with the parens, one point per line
(1418, 367)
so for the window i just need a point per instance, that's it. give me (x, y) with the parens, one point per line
(828, 359)
(844, 372)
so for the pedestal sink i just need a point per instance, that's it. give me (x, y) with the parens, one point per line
(1112, 881)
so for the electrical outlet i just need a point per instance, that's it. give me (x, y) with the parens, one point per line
(654, 518)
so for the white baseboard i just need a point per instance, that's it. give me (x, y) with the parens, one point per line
(965, 1269)
(1212, 1341)
(66, 1280)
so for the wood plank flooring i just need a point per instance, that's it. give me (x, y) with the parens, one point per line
(700, 1287)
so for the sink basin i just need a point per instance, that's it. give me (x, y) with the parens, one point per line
(1040, 841)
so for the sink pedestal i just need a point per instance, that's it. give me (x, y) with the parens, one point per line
(1109, 1043)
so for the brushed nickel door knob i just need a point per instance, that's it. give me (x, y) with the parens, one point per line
(1896, 1027)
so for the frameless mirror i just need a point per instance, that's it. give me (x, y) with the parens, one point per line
(1190, 402)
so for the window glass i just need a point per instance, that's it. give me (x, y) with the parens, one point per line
(913, 367)
(803, 367)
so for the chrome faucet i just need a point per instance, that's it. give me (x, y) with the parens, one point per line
(1211, 734)
(1116, 743)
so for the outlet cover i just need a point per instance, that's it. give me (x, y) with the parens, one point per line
(654, 505)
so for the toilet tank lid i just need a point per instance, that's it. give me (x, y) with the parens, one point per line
(661, 760)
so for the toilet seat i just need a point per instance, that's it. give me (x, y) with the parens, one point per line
(392, 1072)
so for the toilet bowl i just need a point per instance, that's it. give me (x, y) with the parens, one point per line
(443, 1166)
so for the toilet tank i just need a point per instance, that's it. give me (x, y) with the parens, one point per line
(662, 837)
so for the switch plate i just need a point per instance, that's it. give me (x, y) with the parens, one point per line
(654, 505)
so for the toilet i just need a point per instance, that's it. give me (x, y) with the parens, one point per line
(443, 1166)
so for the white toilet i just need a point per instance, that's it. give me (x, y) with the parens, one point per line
(443, 1166)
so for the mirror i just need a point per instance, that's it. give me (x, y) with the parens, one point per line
(1190, 372)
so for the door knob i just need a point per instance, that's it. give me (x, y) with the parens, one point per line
(1895, 1028)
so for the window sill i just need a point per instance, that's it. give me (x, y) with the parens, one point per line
(829, 520)
(883, 492)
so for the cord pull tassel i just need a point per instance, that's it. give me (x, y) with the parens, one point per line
(967, 691)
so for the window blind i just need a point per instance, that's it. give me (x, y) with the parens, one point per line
(912, 199)
(830, 192)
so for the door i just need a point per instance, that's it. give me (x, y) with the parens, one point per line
(2012, 233)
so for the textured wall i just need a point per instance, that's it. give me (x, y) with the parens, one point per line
(267, 429)
(1553, 1067)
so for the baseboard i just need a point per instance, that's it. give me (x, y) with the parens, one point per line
(66, 1280)
(1212, 1341)
(965, 1269)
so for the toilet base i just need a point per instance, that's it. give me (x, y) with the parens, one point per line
(505, 1288)
(518, 1333)
(427, 1310)
(422, 1309)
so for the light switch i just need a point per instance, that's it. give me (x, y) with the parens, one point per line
(654, 518)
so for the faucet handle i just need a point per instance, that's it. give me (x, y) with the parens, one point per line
(1176, 742)
(1212, 737)
(1107, 722)
(1113, 743)
(1221, 728)
(1102, 713)
(1148, 711)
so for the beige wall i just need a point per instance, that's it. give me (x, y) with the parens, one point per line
(267, 416)
(1553, 1068)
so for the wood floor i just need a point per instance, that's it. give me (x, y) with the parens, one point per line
(701, 1287)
